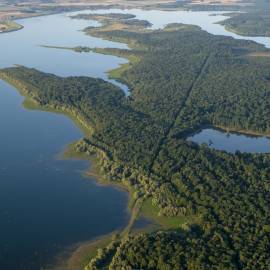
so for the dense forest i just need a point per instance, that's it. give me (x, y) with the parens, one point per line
(250, 24)
(255, 21)
(183, 78)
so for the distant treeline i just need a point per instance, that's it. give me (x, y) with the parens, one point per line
(253, 23)
(184, 78)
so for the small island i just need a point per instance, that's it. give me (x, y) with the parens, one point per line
(254, 21)
(9, 26)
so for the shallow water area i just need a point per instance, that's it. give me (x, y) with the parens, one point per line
(45, 202)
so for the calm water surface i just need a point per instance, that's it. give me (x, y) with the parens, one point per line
(45, 203)
(231, 142)
(203, 19)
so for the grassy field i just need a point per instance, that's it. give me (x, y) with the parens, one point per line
(152, 212)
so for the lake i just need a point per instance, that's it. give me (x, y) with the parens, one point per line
(46, 205)
(231, 142)
(206, 20)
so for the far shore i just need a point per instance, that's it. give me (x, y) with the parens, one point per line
(82, 253)
(250, 133)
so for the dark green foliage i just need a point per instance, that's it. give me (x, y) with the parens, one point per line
(253, 23)
(176, 251)
(102, 105)
(229, 191)
(185, 78)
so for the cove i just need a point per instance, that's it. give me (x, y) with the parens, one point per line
(206, 20)
(231, 141)
(45, 203)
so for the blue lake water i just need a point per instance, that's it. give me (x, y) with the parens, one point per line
(46, 205)
(231, 142)
(206, 20)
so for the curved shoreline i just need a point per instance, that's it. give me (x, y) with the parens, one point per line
(12, 26)
(74, 116)
(248, 133)
(133, 206)
(116, 74)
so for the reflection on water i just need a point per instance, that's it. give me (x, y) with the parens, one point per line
(231, 142)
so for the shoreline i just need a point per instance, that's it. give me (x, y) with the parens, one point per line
(239, 33)
(83, 7)
(93, 172)
(78, 255)
(10, 26)
(248, 133)
(117, 72)
(11, 30)
(136, 207)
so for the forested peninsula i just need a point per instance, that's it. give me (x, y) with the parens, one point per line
(181, 78)
(254, 21)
